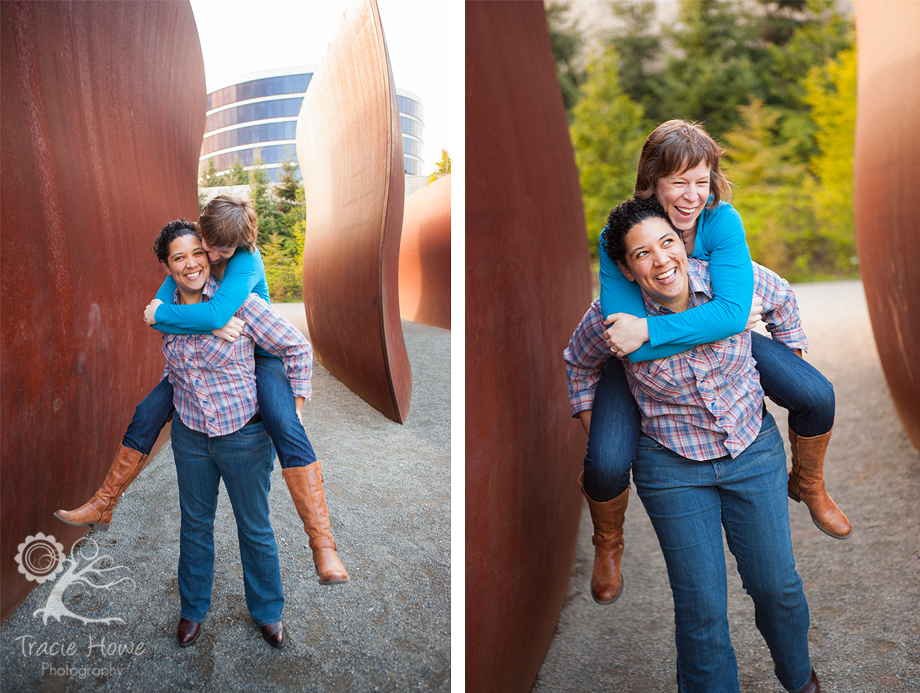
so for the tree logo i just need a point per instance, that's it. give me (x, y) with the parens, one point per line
(40, 557)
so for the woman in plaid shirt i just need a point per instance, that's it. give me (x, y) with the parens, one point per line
(709, 457)
(218, 434)
(229, 228)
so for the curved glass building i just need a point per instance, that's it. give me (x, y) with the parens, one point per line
(257, 116)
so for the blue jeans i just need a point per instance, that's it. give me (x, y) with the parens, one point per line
(786, 378)
(276, 405)
(243, 459)
(689, 504)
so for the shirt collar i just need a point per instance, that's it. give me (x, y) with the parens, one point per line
(698, 276)
(206, 294)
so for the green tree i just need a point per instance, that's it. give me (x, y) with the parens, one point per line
(238, 175)
(263, 200)
(832, 97)
(711, 72)
(288, 185)
(770, 197)
(283, 258)
(607, 133)
(638, 44)
(566, 42)
(442, 167)
(209, 178)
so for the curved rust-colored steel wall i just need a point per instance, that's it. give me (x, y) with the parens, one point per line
(424, 256)
(103, 107)
(349, 144)
(886, 168)
(527, 287)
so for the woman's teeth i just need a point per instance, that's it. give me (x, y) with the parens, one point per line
(667, 275)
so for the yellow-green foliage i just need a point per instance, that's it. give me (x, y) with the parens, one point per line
(607, 133)
(283, 258)
(832, 97)
(768, 193)
(799, 216)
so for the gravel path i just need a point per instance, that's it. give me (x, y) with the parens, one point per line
(388, 491)
(863, 593)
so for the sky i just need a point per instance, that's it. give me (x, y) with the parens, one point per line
(243, 36)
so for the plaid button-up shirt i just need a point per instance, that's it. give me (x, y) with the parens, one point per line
(705, 402)
(214, 383)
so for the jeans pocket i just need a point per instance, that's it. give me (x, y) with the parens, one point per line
(648, 443)
(253, 431)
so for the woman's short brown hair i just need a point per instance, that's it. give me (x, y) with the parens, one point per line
(674, 147)
(228, 220)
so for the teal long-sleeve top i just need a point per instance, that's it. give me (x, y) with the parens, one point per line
(243, 275)
(720, 240)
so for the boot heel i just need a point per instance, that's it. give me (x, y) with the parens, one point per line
(99, 526)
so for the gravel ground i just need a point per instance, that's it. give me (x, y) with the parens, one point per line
(863, 593)
(388, 491)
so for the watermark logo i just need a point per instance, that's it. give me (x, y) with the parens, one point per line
(40, 557)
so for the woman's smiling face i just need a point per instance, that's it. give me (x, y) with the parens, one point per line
(657, 261)
(683, 195)
(187, 264)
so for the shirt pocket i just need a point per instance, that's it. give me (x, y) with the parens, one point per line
(658, 379)
(732, 355)
(216, 352)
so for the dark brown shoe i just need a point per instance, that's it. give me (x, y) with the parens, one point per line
(274, 634)
(188, 632)
(813, 685)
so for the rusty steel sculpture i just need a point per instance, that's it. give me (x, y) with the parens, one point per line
(886, 168)
(349, 145)
(424, 256)
(527, 287)
(103, 113)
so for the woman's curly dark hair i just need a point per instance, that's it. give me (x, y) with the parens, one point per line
(169, 233)
(623, 218)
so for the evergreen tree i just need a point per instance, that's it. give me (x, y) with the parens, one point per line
(638, 44)
(210, 178)
(712, 71)
(607, 133)
(566, 42)
(263, 200)
(238, 174)
(288, 184)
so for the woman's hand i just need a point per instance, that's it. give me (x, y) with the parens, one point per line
(231, 330)
(151, 310)
(626, 333)
(585, 417)
(756, 313)
(298, 405)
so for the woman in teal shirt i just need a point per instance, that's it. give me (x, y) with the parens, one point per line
(679, 164)
(228, 228)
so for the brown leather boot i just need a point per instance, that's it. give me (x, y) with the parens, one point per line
(606, 580)
(806, 483)
(306, 487)
(97, 513)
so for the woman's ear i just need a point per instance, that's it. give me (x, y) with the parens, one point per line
(625, 270)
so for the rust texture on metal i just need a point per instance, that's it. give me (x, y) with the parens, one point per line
(424, 256)
(527, 287)
(103, 107)
(886, 168)
(349, 144)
